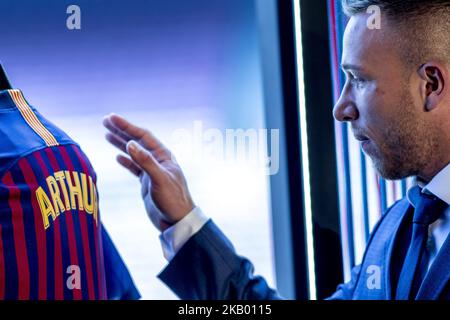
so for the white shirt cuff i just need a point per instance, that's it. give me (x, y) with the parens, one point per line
(173, 238)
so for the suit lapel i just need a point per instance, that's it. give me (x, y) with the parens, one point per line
(438, 275)
(405, 207)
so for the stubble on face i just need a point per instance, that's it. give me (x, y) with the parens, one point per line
(406, 144)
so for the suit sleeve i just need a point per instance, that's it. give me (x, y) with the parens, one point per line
(345, 290)
(207, 267)
(119, 283)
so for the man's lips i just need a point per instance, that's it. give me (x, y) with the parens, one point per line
(361, 138)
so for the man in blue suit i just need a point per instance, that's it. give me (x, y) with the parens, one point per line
(397, 101)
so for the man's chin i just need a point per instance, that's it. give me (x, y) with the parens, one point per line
(389, 172)
(390, 176)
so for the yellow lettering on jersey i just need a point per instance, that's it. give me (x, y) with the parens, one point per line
(46, 207)
(95, 206)
(75, 190)
(88, 206)
(61, 177)
(58, 205)
(67, 190)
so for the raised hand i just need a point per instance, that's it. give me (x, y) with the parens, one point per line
(163, 185)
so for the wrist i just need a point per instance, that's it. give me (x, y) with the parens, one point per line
(164, 224)
(173, 238)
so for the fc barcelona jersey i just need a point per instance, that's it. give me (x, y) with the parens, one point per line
(52, 242)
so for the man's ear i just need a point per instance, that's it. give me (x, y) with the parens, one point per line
(434, 76)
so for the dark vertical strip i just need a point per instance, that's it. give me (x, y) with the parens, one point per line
(93, 229)
(364, 196)
(73, 164)
(66, 220)
(334, 54)
(383, 195)
(98, 239)
(49, 271)
(293, 149)
(101, 263)
(403, 187)
(41, 239)
(30, 237)
(11, 282)
(318, 94)
(348, 196)
(57, 248)
(2, 268)
(23, 272)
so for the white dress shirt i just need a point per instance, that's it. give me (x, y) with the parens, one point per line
(173, 238)
(440, 229)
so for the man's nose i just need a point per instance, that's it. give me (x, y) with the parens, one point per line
(345, 109)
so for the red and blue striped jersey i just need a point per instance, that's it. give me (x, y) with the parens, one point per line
(52, 242)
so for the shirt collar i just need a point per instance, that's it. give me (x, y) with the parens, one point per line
(440, 185)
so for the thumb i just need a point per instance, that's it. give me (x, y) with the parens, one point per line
(144, 159)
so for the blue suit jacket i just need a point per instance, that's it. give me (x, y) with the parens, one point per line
(207, 267)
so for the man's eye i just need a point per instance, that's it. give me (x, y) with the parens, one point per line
(357, 81)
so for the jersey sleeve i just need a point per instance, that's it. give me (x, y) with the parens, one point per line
(119, 284)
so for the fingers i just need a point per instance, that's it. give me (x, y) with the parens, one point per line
(130, 165)
(128, 131)
(145, 160)
(121, 144)
(107, 123)
(116, 141)
(121, 132)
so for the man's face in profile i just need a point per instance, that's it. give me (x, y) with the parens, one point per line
(381, 100)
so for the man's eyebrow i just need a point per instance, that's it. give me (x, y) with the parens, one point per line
(347, 66)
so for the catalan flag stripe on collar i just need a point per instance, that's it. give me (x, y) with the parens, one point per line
(31, 118)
